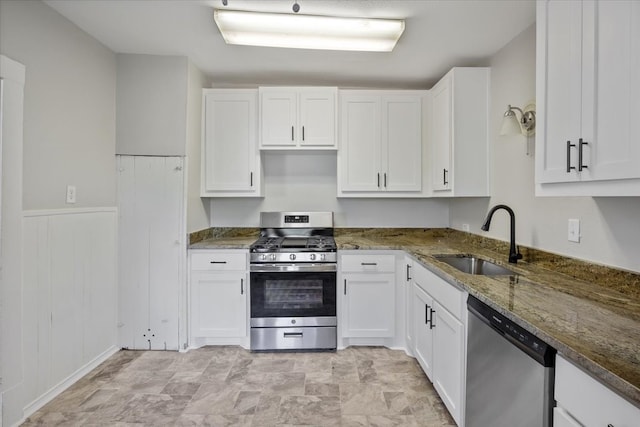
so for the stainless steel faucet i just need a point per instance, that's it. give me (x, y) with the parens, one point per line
(514, 252)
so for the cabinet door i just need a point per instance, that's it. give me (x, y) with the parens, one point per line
(402, 143)
(611, 90)
(448, 347)
(368, 305)
(278, 109)
(360, 143)
(408, 306)
(422, 331)
(441, 123)
(218, 304)
(559, 90)
(317, 118)
(229, 142)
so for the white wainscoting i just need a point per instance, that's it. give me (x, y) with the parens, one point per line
(69, 298)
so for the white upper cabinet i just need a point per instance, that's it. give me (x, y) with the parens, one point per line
(298, 118)
(458, 133)
(588, 95)
(380, 144)
(230, 157)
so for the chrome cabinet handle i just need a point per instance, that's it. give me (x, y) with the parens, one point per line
(218, 262)
(241, 286)
(569, 167)
(444, 177)
(408, 275)
(378, 179)
(581, 144)
(431, 324)
(345, 286)
(385, 180)
(426, 314)
(251, 179)
(368, 263)
(303, 133)
(292, 133)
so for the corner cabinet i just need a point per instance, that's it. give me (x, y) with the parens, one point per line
(439, 336)
(458, 133)
(231, 164)
(588, 92)
(218, 297)
(381, 151)
(298, 118)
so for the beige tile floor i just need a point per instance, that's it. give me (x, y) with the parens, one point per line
(230, 386)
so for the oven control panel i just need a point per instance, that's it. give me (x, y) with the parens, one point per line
(327, 257)
(296, 219)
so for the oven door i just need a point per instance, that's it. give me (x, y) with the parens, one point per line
(293, 291)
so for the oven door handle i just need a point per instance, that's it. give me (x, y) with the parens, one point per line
(302, 268)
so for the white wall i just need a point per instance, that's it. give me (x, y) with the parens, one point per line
(69, 106)
(307, 182)
(69, 138)
(609, 226)
(151, 105)
(197, 214)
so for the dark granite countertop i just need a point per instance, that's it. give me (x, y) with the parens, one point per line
(589, 313)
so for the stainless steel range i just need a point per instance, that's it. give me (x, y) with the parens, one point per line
(293, 282)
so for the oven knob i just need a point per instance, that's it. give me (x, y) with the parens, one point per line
(273, 257)
(312, 257)
(292, 257)
(322, 257)
(263, 257)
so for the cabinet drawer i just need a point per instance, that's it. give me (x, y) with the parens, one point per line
(368, 263)
(590, 402)
(218, 261)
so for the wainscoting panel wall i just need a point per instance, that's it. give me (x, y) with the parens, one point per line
(69, 297)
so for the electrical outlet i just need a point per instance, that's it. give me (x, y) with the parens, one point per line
(574, 230)
(71, 193)
(465, 227)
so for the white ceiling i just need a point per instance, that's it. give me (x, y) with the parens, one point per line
(439, 34)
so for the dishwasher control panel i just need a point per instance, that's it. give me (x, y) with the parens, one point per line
(522, 338)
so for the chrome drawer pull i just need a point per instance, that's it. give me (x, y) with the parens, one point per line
(293, 334)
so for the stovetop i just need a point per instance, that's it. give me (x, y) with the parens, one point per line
(294, 237)
(294, 244)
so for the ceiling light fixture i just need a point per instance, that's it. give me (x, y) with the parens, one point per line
(308, 31)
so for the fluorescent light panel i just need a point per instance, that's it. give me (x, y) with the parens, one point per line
(308, 31)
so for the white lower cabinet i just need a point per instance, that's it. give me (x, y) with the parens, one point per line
(439, 336)
(448, 357)
(584, 401)
(422, 334)
(368, 296)
(218, 286)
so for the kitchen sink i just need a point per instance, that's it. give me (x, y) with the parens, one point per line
(473, 265)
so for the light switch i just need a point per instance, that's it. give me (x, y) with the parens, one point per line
(574, 230)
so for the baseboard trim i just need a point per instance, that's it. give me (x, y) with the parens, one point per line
(54, 391)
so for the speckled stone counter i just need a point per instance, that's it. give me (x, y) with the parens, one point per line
(589, 313)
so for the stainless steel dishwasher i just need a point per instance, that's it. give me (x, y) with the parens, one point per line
(510, 372)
